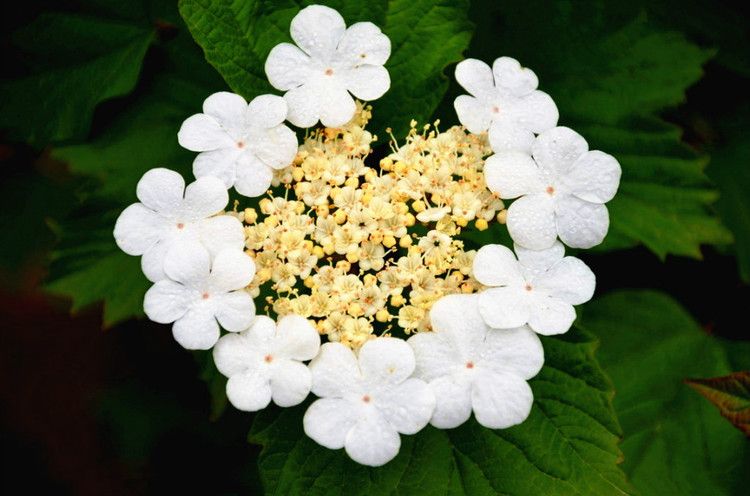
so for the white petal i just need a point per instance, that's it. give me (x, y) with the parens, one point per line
(290, 383)
(167, 301)
(367, 82)
(513, 351)
(386, 360)
(235, 311)
(474, 114)
(287, 67)
(303, 103)
(296, 338)
(551, 316)
(557, 149)
(364, 43)
(453, 401)
(372, 441)
(231, 269)
(337, 107)
(152, 261)
(221, 232)
(536, 262)
(496, 265)
(476, 77)
(327, 422)
(138, 228)
(234, 354)
(197, 329)
(228, 109)
(335, 371)
(434, 353)
(531, 221)
(275, 147)
(580, 224)
(506, 135)
(253, 176)
(317, 30)
(204, 197)
(504, 308)
(594, 177)
(501, 400)
(408, 406)
(512, 78)
(221, 163)
(569, 280)
(188, 263)
(512, 174)
(161, 190)
(249, 392)
(458, 318)
(262, 333)
(201, 132)
(536, 112)
(266, 111)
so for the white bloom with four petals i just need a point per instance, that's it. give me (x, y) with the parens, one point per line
(199, 292)
(170, 215)
(367, 399)
(241, 143)
(264, 362)
(329, 62)
(503, 99)
(561, 190)
(539, 288)
(472, 367)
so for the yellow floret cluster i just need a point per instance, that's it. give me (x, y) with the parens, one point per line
(361, 250)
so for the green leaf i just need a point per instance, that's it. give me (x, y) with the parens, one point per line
(611, 76)
(730, 394)
(674, 443)
(568, 445)
(426, 36)
(74, 63)
(88, 266)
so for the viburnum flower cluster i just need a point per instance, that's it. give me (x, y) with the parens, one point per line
(380, 259)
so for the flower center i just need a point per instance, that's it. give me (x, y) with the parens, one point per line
(366, 398)
(268, 358)
(205, 296)
(495, 109)
(240, 144)
(362, 55)
(529, 287)
(550, 190)
(329, 72)
(469, 365)
(180, 225)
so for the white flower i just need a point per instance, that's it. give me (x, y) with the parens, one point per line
(198, 293)
(265, 362)
(242, 143)
(561, 190)
(331, 62)
(505, 101)
(538, 289)
(470, 366)
(367, 400)
(171, 215)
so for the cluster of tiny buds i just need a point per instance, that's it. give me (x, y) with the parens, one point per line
(361, 250)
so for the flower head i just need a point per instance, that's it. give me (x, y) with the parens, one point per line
(264, 362)
(241, 144)
(561, 190)
(170, 216)
(539, 288)
(367, 399)
(471, 367)
(329, 62)
(504, 100)
(199, 292)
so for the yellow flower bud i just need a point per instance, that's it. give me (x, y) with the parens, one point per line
(355, 309)
(461, 221)
(370, 280)
(299, 207)
(397, 300)
(418, 206)
(321, 210)
(271, 221)
(298, 174)
(481, 224)
(502, 216)
(265, 205)
(339, 216)
(382, 315)
(352, 182)
(353, 256)
(318, 252)
(250, 215)
(405, 242)
(308, 282)
(328, 249)
(389, 241)
(409, 220)
(400, 168)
